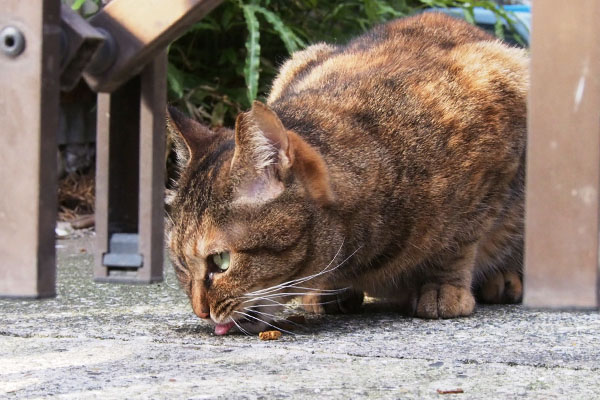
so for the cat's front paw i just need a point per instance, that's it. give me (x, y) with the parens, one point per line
(502, 287)
(444, 301)
(345, 302)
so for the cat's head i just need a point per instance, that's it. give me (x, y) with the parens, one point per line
(245, 216)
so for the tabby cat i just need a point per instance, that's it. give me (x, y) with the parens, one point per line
(391, 166)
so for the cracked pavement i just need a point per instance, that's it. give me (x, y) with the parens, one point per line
(132, 341)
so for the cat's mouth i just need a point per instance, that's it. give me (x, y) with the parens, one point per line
(222, 329)
(249, 323)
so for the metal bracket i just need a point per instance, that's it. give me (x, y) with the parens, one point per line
(123, 259)
(123, 251)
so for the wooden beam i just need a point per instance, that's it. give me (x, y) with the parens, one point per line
(563, 160)
(29, 95)
(152, 167)
(140, 33)
(130, 178)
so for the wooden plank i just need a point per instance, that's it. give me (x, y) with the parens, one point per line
(138, 43)
(563, 170)
(29, 96)
(152, 168)
(102, 182)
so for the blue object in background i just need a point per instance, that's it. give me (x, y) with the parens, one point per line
(486, 19)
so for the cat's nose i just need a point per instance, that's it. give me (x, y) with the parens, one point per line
(203, 311)
(204, 315)
(200, 301)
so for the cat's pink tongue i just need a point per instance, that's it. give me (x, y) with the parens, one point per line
(222, 329)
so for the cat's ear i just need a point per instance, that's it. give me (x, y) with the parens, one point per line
(264, 147)
(191, 137)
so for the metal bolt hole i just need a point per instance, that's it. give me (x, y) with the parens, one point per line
(12, 41)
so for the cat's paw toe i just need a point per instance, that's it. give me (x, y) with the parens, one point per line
(444, 301)
(502, 287)
(313, 303)
(346, 302)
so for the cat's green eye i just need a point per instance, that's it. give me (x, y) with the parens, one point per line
(221, 260)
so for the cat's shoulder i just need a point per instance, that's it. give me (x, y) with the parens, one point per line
(300, 62)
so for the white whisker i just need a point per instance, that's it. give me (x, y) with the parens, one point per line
(168, 282)
(288, 294)
(308, 289)
(292, 283)
(264, 322)
(329, 291)
(262, 291)
(310, 277)
(281, 294)
(274, 317)
(277, 291)
(262, 298)
(298, 304)
(267, 299)
(239, 327)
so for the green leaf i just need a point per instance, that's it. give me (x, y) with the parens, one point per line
(251, 69)
(227, 17)
(499, 28)
(389, 10)
(207, 25)
(378, 10)
(228, 56)
(77, 4)
(512, 20)
(470, 15)
(218, 114)
(175, 80)
(434, 3)
(291, 41)
(371, 10)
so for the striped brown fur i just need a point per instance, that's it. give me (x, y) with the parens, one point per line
(402, 152)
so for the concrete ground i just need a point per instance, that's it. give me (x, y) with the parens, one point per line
(121, 341)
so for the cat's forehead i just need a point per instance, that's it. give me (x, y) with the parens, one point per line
(208, 241)
(211, 238)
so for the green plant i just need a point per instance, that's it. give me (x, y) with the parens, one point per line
(77, 4)
(229, 58)
(85, 7)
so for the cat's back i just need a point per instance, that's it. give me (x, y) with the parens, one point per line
(430, 52)
(427, 81)
(413, 110)
(427, 43)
